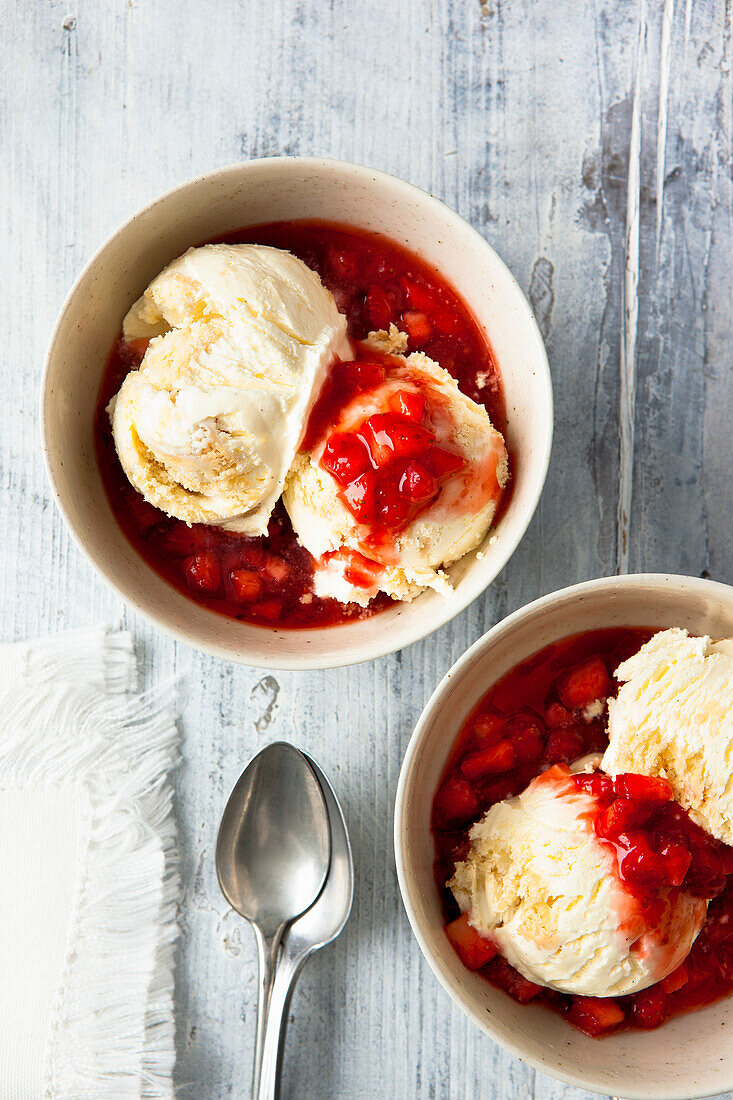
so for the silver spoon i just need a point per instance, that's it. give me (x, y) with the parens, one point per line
(273, 853)
(321, 924)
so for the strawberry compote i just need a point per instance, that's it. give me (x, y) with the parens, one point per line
(269, 580)
(550, 710)
(389, 465)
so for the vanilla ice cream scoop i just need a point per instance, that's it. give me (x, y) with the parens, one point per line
(540, 884)
(673, 718)
(450, 526)
(242, 337)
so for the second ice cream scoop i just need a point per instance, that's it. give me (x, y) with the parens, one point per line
(400, 560)
(542, 886)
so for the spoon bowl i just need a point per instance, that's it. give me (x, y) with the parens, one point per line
(274, 846)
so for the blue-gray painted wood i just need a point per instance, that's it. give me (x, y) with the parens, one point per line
(520, 116)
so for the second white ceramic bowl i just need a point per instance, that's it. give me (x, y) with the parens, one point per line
(690, 1056)
(252, 193)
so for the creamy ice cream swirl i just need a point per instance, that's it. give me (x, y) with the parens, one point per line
(241, 338)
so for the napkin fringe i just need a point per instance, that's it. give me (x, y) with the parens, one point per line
(123, 931)
(98, 657)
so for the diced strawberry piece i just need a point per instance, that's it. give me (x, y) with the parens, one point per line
(345, 457)
(412, 440)
(510, 980)
(276, 568)
(621, 816)
(378, 308)
(674, 981)
(417, 483)
(488, 729)
(417, 326)
(649, 1008)
(676, 859)
(584, 684)
(596, 1016)
(634, 838)
(246, 585)
(563, 746)
(393, 508)
(489, 761)
(376, 440)
(394, 437)
(444, 464)
(361, 496)
(388, 436)
(557, 716)
(203, 574)
(409, 404)
(596, 784)
(455, 802)
(642, 788)
(642, 867)
(473, 949)
(364, 375)
(419, 296)
(269, 610)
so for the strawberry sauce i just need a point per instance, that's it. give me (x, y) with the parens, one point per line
(269, 580)
(551, 710)
(389, 466)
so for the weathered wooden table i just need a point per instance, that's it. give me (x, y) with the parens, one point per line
(590, 141)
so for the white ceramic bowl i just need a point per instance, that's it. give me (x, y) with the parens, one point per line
(210, 206)
(690, 1056)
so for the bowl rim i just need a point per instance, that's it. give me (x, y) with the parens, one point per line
(454, 673)
(474, 586)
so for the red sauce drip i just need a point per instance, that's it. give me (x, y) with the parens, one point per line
(344, 382)
(531, 719)
(374, 282)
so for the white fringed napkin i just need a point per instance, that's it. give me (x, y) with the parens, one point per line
(88, 876)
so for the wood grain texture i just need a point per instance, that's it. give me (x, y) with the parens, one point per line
(520, 116)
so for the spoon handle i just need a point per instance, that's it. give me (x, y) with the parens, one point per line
(286, 975)
(267, 952)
